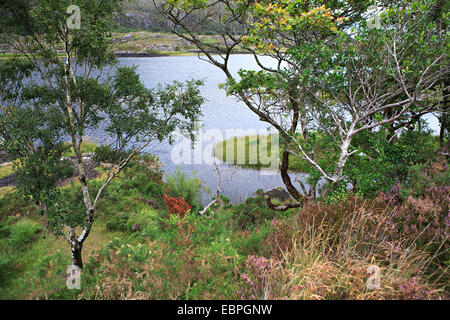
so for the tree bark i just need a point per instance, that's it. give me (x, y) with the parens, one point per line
(444, 121)
(285, 176)
(76, 248)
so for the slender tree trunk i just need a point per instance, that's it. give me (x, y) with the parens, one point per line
(76, 244)
(76, 248)
(284, 165)
(444, 122)
(337, 176)
(303, 122)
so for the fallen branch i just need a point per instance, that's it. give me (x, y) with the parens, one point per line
(219, 181)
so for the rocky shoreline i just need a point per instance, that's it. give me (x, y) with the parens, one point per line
(144, 44)
(139, 55)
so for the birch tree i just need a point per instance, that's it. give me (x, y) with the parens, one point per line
(64, 83)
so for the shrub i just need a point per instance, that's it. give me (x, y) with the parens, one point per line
(152, 189)
(23, 233)
(257, 284)
(143, 218)
(48, 279)
(117, 222)
(253, 212)
(176, 206)
(423, 177)
(105, 153)
(179, 185)
(386, 162)
(427, 218)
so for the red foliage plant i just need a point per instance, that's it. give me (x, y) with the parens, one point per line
(177, 206)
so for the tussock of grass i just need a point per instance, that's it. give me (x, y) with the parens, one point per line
(246, 151)
(23, 233)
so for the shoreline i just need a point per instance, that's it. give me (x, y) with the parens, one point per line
(10, 55)
(144, 44)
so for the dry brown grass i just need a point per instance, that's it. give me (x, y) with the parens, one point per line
(331, 249)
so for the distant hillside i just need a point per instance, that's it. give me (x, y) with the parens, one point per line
(142, 15)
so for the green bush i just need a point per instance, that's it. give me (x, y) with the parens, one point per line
(46, 279)
(143, 219)
(23, 233)
(105, 153)
(179, 184)
(422, 177)
(384, 163)
(152, 189)
(118, 222)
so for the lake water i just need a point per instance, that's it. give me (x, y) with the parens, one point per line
(220, 113)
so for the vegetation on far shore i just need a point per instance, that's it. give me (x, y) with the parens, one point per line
(247, 150)
(145, 44)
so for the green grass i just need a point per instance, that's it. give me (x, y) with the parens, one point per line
(10, 55)
(198, 257)
(247, 151)
(23, 233)
(7, 55)
(246, 147)
(86, 147)
(244, 151)
(139, 41)
(6, 169)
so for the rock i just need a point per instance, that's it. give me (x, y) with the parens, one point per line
(9, 181)
(135, 227)
(279, 194)
(229, 42)
(151, 202)
(4, 157)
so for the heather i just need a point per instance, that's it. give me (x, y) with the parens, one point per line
(150, 244)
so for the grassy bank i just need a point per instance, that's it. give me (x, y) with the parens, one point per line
(246, 151)
(250, 152)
